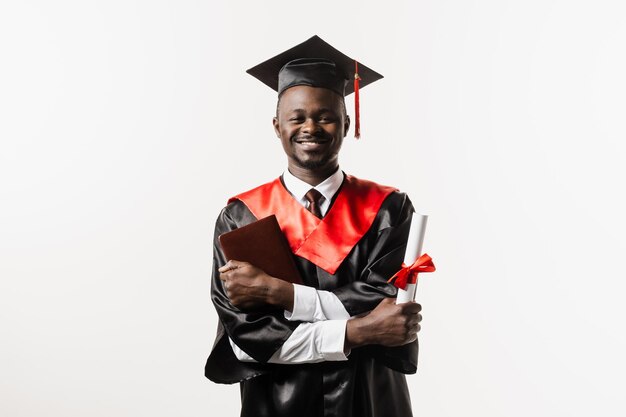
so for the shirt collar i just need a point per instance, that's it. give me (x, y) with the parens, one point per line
(298, 188)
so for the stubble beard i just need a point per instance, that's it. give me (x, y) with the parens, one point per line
(311, 164)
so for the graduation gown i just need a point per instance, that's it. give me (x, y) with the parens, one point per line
(351, 252)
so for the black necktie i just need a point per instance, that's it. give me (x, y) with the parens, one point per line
(314, 198)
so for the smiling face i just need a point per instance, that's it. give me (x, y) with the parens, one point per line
(311, 124)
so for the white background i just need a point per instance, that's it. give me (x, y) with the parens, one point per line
(125, 126)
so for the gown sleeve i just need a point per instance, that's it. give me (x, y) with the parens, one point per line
(258, 333)
(376, 258)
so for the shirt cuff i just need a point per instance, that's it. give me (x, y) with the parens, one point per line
(304, 303)
(331, 307)
(333, 336)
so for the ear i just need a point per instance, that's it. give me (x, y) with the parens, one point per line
(276, 126)
(346, 126)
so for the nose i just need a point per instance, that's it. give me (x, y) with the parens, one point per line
(310, 126)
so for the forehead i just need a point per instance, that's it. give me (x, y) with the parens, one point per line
(309, 98)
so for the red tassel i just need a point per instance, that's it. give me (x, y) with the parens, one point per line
(357, 115)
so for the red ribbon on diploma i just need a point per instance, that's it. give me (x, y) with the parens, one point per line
(408, 273)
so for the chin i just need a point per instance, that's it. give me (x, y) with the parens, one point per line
(312, 164)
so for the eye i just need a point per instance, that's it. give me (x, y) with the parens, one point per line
(296, 119)
(327, 118)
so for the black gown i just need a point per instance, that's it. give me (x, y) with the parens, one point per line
(370, 383)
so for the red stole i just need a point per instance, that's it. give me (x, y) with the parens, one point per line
(325, 242)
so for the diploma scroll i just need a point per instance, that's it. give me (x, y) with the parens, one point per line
(412, 253)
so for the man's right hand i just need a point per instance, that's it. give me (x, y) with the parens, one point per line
(389, 324)
(248, 287)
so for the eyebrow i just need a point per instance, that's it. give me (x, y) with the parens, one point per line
(322, 110)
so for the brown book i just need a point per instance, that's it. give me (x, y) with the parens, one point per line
(262, 244)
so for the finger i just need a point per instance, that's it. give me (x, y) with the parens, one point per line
(419, 317)
(415, 307)
(410, 337)
(414, 330)
(412, 323)
(411, 308)
(227, 267)
(234, 264)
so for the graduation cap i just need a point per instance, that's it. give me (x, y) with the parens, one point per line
(316, 63)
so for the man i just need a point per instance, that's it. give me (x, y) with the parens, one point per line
(339, 345)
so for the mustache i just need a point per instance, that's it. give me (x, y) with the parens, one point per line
(319, 137)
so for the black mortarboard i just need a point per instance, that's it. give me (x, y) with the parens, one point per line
(317, 64)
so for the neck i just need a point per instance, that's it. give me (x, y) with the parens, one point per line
(313, 176)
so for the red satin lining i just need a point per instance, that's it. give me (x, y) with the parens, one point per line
(325, 242)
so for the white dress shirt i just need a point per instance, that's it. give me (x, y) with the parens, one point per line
(321, 336)
(327, 188)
